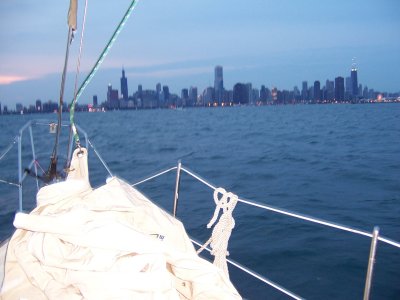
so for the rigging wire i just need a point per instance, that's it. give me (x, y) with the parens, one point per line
(52, 170)
(96, 67)
(78, 64)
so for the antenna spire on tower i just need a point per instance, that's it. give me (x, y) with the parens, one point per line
(353, 64)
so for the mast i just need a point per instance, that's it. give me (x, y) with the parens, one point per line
(72, 21)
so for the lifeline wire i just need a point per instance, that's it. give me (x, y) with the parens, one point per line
(97, 65)
(9, 148)
(296, 215)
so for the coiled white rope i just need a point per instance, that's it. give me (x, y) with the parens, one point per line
(222, 230)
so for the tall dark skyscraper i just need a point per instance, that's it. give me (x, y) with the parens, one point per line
(339, 88)
(158, 88)
(348, 86)
(317, 90)
(165, 90)
(192, 95)
(38, 106)
(304, 91)
(95, 103)
(184, 97)
(124, 85)
(330, 90)
(112, 97)
(263, 94)
(240, 93)
(354, 80)
(218, 84)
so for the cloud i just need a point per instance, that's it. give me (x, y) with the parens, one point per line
(11, 79)
(29, 67)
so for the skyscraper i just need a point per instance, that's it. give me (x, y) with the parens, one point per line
(112, 97)
(296, 93)
(140, 90)
(19, 108)
(354, 80)
(249, 89)
(263, 94)
(192, 96)
(158, 88)
(317, 91)
(95, 103)
(274, 94)
(348, 88)
(208, 96)
(240, 93)
(348, 91)
(165, 90)
(330, 90)
(304, 91)
(339, 88)
(185, 97)
(218, 84)
(124, 86)
(365, 92)
(38, 105)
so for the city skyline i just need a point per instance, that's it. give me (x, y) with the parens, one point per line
(340, 90)
(278, 43)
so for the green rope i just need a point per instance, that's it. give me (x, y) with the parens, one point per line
(96, 67)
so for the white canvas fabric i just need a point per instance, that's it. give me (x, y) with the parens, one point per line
(3, 252)
(106, 243)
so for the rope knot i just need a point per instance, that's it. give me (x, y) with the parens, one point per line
(225, 201)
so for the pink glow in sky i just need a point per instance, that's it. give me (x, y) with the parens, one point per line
(178, 42)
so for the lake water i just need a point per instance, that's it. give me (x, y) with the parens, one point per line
(336, 162)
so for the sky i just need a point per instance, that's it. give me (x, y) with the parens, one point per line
(178, 43)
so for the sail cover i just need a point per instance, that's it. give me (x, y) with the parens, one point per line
(103, 243)
(72, 14)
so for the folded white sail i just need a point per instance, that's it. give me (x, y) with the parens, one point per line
(109, 242)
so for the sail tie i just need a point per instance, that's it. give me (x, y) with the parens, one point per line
(223, 228)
